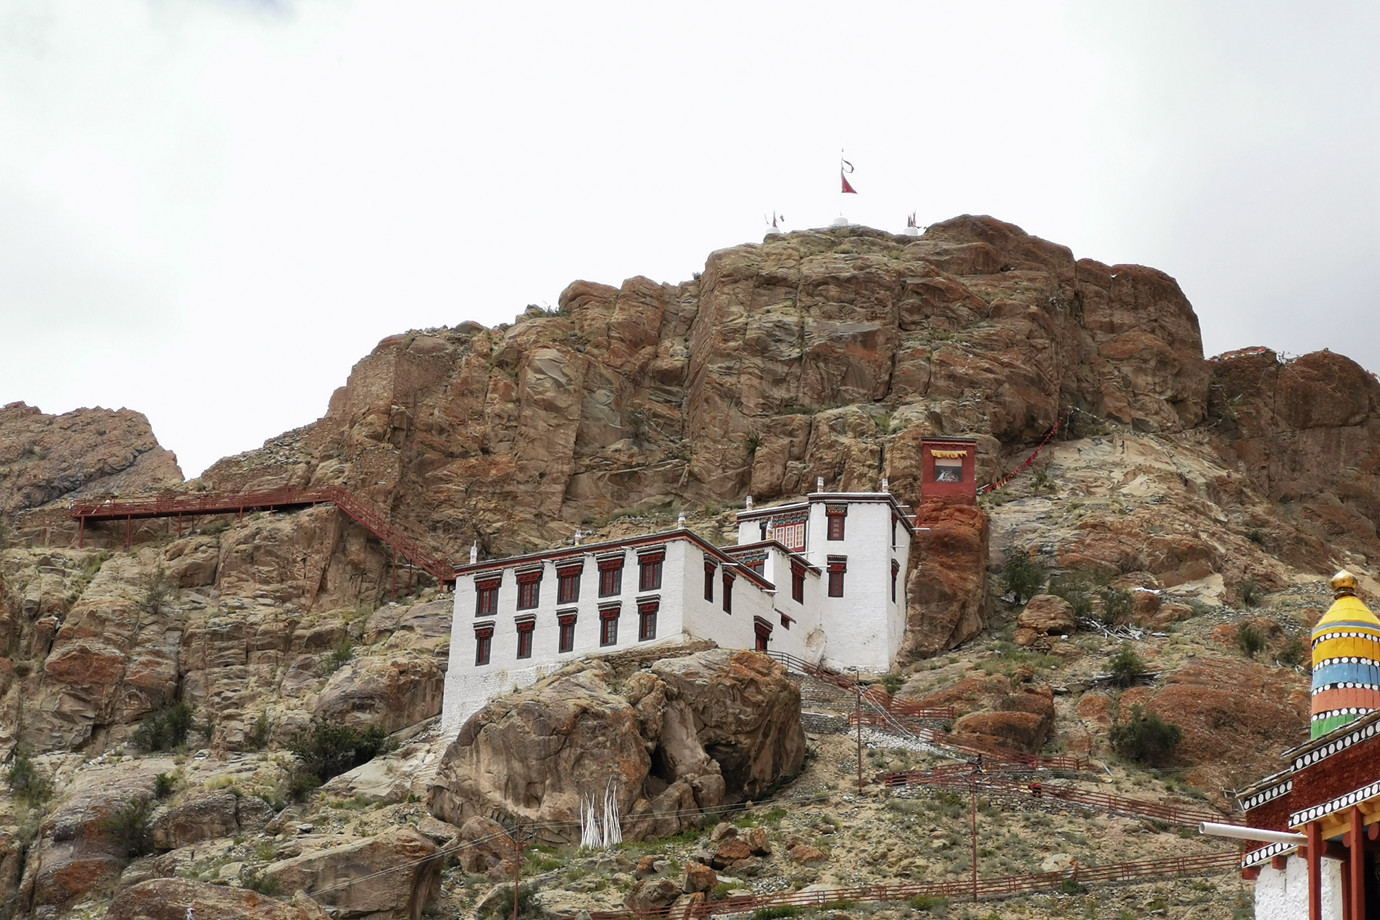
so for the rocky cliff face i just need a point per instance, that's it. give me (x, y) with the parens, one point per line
(814, 354)
(823, 354)
(49, 458)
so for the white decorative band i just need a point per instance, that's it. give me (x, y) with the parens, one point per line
(1337, 804)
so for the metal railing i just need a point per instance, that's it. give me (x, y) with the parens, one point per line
(183, 505)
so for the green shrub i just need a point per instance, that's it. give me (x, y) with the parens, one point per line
(502, 906)
(166, 729)
(129, 830)
(1077, 589)
(328, 749)
(159, 588)
(1070, 886)
(1023, 577)
(770, 913)
(1116, 606)
(25, 782)
(1249, 592)
(1145, 738)
(263, 884)
(893, 682)
(163, 785)
(1126, 666)
(1294, 653)
(260, 733)
(927, 902)
(1249, 639)
(340, 655)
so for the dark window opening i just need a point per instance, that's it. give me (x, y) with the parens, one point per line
(646, 621)
(608, 626)
(709, 570)
(486, 597)
(728, 593)
(567, 586)
(610, 577)
(649, 571)
(524, 643)
(567, 634)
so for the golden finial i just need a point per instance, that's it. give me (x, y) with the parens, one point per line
(1344, 584)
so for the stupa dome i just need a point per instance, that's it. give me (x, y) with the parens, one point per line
(1346, 660)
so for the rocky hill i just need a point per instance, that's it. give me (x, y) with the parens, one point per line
(1180, 499)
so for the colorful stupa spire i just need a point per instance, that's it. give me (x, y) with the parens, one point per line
(1346, 659)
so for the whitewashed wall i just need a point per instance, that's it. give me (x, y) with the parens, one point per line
(1282, 894)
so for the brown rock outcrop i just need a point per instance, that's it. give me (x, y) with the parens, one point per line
(1016, 716)
(169, 898)
(690, 732)
(86, 452)
(1045, 615)
(394, 691)
(351, 880)
(1235, 715)
(947, 590)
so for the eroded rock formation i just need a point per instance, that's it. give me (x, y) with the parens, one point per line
(687, 732)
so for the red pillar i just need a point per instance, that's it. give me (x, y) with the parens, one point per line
(1358, 866)
(1315, 846)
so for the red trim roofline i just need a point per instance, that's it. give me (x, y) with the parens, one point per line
(593, 549)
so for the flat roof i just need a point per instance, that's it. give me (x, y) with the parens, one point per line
(901, 510)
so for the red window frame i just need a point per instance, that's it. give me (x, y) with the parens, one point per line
(649, 570)
(797, 582)
(566, 642)
(529, 589)
(525, 628)
(837, 568)
(486, 596)
(646, 620)
(709, 569)
(728, 591)
(836, 518)
(608, 626)
(895, 572)
(610, 577)
(483, 645)
(762, 629)
(568, 584)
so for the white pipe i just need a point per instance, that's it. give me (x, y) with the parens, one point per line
(1250, 833)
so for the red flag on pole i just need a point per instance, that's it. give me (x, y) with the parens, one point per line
(846, 167)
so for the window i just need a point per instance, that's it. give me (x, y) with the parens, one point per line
(483, 644)
(486, 596)
(568, 585)
(608, 625)
(948, 470)
(757, 566)
(837, 566)
(835, 515)
(646, 620)
(610, 576)
(524, 631)
(709, 569)
(895, 572)
(893, 531)
(728, 593)
(529, 589)
(763, 631)
(797, 582)
(567, 636)
(649, 565)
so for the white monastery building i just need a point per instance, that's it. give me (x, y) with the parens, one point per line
(822, 579)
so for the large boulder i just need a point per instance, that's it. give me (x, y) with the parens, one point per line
(391, 876)
(169, 898)
(1045, 615)
(393, 691)
(686, 733)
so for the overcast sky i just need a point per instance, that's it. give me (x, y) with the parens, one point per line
(210, 210)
